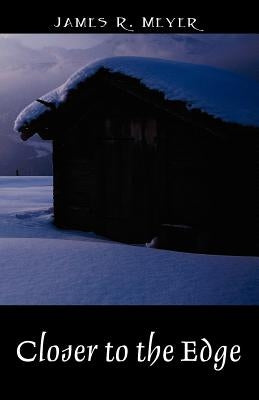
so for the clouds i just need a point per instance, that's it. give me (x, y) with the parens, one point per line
(67, 41)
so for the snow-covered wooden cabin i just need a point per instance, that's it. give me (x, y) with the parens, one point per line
(147, 147)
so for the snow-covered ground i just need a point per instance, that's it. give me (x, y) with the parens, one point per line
(40, 264)
(26, 210)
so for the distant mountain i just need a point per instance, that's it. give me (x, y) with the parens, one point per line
(14, 55)
(215, 50)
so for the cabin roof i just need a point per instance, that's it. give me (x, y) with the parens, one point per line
(220, 93)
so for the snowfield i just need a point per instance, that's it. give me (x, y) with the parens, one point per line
(40, 264)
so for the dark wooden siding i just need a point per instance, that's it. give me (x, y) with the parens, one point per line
(113, 189)
(126, 168)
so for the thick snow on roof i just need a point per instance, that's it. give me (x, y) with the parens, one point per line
(220, 93)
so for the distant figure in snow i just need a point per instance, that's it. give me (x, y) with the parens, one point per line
(17, 172)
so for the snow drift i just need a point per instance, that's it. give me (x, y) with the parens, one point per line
(41, 264)
(47, 271)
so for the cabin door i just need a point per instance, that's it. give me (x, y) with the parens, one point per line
(126, 182)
